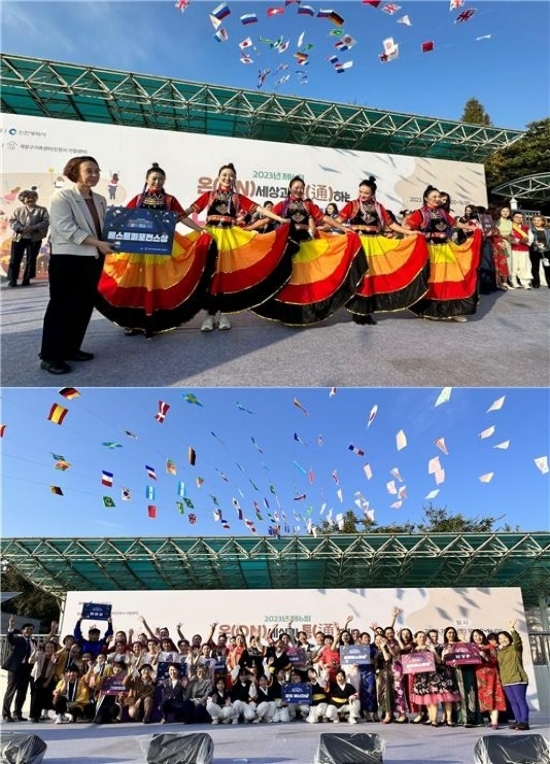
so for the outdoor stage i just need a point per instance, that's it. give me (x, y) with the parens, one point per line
(293, 743)
(505, 341)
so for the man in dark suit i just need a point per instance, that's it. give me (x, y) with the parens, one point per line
(19, 670)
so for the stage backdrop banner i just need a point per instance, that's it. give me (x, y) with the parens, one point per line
(262, 610)
(36, 149)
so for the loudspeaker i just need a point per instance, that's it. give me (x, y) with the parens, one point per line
(352, 748)
(174, 748)
(512, 749)
(21, 748)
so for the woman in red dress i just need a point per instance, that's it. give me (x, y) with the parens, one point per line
(452, 290)
(489, 687)
(398, 268)
(325, 270)
(150, 292)
(250, 267)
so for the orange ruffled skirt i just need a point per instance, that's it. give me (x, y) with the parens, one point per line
(250, 267)
(397, 276)
(157, 292)
(453, 282)
(325, 275)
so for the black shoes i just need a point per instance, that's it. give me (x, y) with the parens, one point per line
(82, 355)
(8, 718)
(55, 367)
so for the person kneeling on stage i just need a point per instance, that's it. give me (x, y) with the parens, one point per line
(173, 693)
(141, 699)
(71, 698)
(197, 691)
(319, 698)
(109, 707)
(266, 710)
(243, 695)
(343, 700)
(296, 710)
(219, 705)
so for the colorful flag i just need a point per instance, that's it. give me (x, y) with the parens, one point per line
(2, 430)
(57, 490)
(181, 489)
(336, 18)
(108, 502)
(107, 478)
(486, 478)
(69, 393)
(368, 471)
(283, 46)
(240, 405)
(391, 8)
(402, 492)
(62, 465)
(306, 10)
(192, 519)
(131, 434)
(246, 43)
(152, 511)
(216, 23)
(454, 4)
(275, 11)
(221, 11)
(249, 18)
(225, 525)
(111, 444)
(356, 450)
(445, 393)
(192, 455)
(163, 410)
(150, 492)
(188, 503)
(497, 405)
(126, 494)
(320, 441)
(57, 413)
(299, 497)
(171, 467)
(340, 494)
(298, 439)
(180, 506)
(199, 482)
(151, 472)
(222, 35)
(332, 392)
(191, 397)
(427, 47)
(222, 475)
(465, 15)
(181, 5)
(373, 3)
(57, 457)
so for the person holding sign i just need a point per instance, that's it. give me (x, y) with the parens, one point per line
(110, 695)
(433, 687)
(250, 266)
(94, 644)
(78, 251)
(153, 292)
(141, 696)
(343, 700)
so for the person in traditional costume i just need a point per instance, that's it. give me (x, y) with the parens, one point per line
(452, 285)
(250, 267)
(398, 268)
(326, 269)
(520, 266)
(151, 293)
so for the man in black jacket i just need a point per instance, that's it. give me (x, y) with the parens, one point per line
(19, 670)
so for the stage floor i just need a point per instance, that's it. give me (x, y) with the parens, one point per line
(293, 743)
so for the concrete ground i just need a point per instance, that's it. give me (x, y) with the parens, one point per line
(294, 743)
(507, 342)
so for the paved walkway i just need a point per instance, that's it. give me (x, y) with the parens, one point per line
(294, 743)
(507, 342)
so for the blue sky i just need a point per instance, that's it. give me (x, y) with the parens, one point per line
(508, 73)
(518, 492)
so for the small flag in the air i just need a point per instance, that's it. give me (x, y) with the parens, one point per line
(108, 502)
(58, 457)
(150, 492)
(131, 434)
(454, 4)
(192, 398)
(56, 489)
(151, 472)
(465, 15)
(405, 20)
(432, 494)
(396, 474)
(440, 443)
(306, 10)
(503, 446)
(439, 477)
(497, 405)
(396, 505)
(225, 525)
(188, 503)
(275, 11)
(427, 47)
(391, 8)
(445, 394)
(107, 478)
(332, 392)
(222, 35)
(192, 519)
(402, 492)
(111, 444)
(216, 23)
(221, 11)
(180, 506)
(192, 455)
(311, 476)
(434, 465)
(199, 482)
(486, 478)
(2, 430)
(62, 465)
(246, 43)
(57, 413)
(298, 405)
(401, 440)
(256, 446)
(249, 18)
(181, 489)
(240, 405)
(336, 18)
(541, 463)
(163, 410)
(69, 393)
(356, 450)
(171, 467)
(486, 433)
(368, 471)
(320, 441)
(372, 415)
(152, 511)
(299, 497)
(373, 3)
(391, 487)
(126, 494)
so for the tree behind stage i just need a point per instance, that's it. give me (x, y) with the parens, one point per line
(474, 113)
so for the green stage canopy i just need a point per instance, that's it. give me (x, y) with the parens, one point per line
(337, 561)
(34, 87)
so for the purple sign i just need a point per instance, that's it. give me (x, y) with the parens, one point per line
(462, 654)
(421, 662)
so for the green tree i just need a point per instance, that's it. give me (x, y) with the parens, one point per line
(32, 602)
(474, 113)
(528, 156)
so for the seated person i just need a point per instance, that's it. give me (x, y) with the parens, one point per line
(173, 693)
(109, 707)
(243, 694)
(197, 692)
(343, 700)
(266, 709)
(71, 698)
(141, 698)
(219, 705)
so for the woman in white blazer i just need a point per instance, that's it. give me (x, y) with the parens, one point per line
(76, 222)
